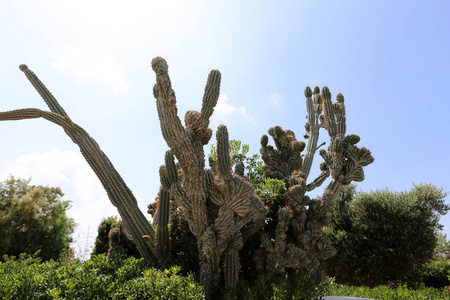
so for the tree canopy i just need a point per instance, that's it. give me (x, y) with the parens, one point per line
(33, 218)
(383, 236)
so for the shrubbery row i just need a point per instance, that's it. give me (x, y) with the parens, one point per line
(101, 277)
(117, 277)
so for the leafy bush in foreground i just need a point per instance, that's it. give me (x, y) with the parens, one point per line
(102, 277)
(436, 273)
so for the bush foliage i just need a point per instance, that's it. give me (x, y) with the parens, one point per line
(101, 277)
(33, 218)
(384, 237)
(383, 292)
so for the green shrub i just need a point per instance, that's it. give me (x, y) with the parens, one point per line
(384, 237)
(436, 273)
(386, 293)
(102, 277)
(289, 286)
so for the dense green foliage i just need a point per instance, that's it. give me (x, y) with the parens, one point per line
(118, 277)
(387, 293)
(102, 240)
(101, 277)
(289, 286)
(33, 218)
(436, 273)
(385, 237)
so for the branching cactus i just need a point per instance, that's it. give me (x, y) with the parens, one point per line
(218, 206)
(137, 227)
(298, 241)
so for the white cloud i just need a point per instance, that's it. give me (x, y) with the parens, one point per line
(69, 171)
(92, 69)
(276, 99)
(224, 111)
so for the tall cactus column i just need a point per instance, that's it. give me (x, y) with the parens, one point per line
(216, 205)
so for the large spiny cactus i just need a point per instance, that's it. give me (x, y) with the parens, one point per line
(298, 241)
(118, 192)
(220, 206)
(216, 205)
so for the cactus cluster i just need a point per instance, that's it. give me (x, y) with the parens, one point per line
(297, 240)
(218, 205)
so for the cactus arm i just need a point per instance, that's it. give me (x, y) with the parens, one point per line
(328, 110)
(51, 101)
(181, 143)
(318, 181)
(173, 131)
(162, 235)
(313, 127)
(232, 269)
(339, 109)
(223, 152)
(210, 98)
(118, 192)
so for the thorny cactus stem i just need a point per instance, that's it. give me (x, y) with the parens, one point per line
(162, 233)
(118, 192)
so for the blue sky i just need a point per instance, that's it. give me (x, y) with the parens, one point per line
(389, 58)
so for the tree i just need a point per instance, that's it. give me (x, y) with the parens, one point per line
(384, 237)
(33, 218)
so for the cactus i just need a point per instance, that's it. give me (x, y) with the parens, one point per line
(162, 232)
(120, 243)
(231, 269)
(306, 245)
(135, 223)
(217, 205)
